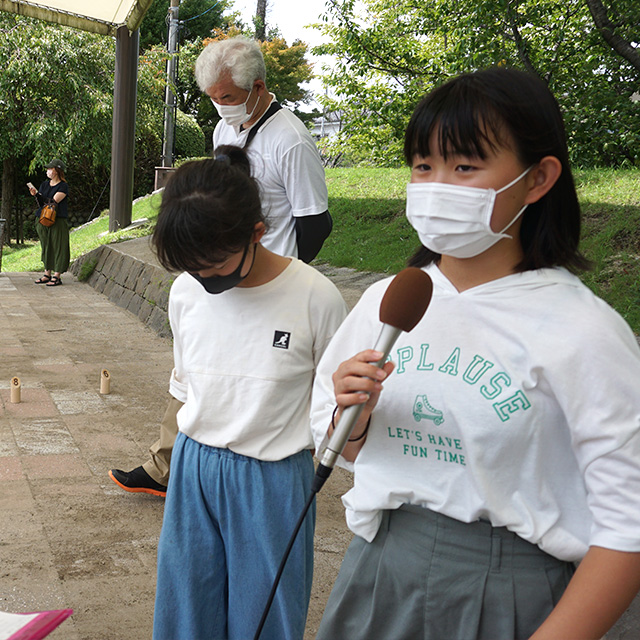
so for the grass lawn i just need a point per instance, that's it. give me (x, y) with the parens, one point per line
(371, 232)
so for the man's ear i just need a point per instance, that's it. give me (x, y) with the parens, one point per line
(258, 231)
(542, 177)
(260, 86)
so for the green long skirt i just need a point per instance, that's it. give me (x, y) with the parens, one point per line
(54, 242)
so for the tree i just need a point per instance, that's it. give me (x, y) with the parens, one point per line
(287, 69)
(260, 20)
(197, 17)
(390, 54)
(56, 100)
(616, 30)
(55, 96)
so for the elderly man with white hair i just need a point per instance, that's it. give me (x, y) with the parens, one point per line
(284, 157)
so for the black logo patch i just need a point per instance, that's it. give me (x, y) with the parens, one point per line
(281, 339)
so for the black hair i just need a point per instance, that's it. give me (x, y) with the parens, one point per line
(209, 209)
(477, 112)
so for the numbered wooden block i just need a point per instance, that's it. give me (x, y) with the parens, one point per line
(15, 390)
(105, 382)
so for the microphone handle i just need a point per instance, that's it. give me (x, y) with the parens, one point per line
(349, 417)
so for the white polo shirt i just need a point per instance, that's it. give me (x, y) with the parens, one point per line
(287, 165)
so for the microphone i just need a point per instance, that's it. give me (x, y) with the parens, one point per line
(402, 307)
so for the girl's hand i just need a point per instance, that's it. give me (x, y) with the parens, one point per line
(358, 381)
(33, 191)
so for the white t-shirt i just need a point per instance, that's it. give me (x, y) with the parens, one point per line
(287, 165)
(517, 402)
(245, 359)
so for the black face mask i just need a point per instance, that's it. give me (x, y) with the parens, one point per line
(218, 284)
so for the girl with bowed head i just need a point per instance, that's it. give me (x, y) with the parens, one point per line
(505, 447)
(249, 327)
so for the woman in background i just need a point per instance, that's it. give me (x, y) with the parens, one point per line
(54, 240)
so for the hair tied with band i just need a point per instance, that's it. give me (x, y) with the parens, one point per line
(222, 157)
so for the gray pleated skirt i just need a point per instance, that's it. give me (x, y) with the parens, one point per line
(428, 577)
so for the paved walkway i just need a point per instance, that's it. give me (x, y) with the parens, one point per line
(69, 536)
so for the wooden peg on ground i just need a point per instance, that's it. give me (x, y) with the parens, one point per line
(15, 390)
(105, 382)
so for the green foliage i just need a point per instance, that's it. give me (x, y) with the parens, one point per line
(370, 230)
(611, 213)
(87, 268)
(190, 99)
(153, 30)
(56, 100)
(287, 69)
(55, 92)
(189, 141)
(390, 54)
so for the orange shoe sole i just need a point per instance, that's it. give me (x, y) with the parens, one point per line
(153, 492)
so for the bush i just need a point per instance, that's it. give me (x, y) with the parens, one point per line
(189, 140)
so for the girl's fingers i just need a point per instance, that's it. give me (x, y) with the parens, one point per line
(357, 380)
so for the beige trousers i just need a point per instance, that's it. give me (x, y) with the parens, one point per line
(159, 463)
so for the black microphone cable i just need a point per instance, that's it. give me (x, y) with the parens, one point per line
(321, 475)
(285, 557)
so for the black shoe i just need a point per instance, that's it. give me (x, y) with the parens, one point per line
(137, 481)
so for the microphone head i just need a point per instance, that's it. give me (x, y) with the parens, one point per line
(406, 299)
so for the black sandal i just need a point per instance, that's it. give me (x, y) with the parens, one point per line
(44, 279)
(55, 281)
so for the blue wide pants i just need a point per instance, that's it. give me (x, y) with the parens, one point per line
(227, 522)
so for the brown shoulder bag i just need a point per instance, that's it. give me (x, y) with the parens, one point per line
(48, 214)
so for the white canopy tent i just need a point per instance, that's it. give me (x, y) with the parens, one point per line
(98, 16)
(120, 19)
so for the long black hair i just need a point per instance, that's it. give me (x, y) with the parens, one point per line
(471, 114)
(209, 210)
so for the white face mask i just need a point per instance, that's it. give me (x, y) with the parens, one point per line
(454, 220)
(235, 114)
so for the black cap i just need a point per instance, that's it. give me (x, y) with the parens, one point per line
(56, 163)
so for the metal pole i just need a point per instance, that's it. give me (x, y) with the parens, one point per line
(170, 98)
(124, 128)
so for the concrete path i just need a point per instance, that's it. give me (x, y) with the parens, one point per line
(69, 536)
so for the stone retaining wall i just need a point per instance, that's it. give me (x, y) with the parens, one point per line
(134, 285)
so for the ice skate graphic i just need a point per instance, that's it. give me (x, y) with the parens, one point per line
(423, 410)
